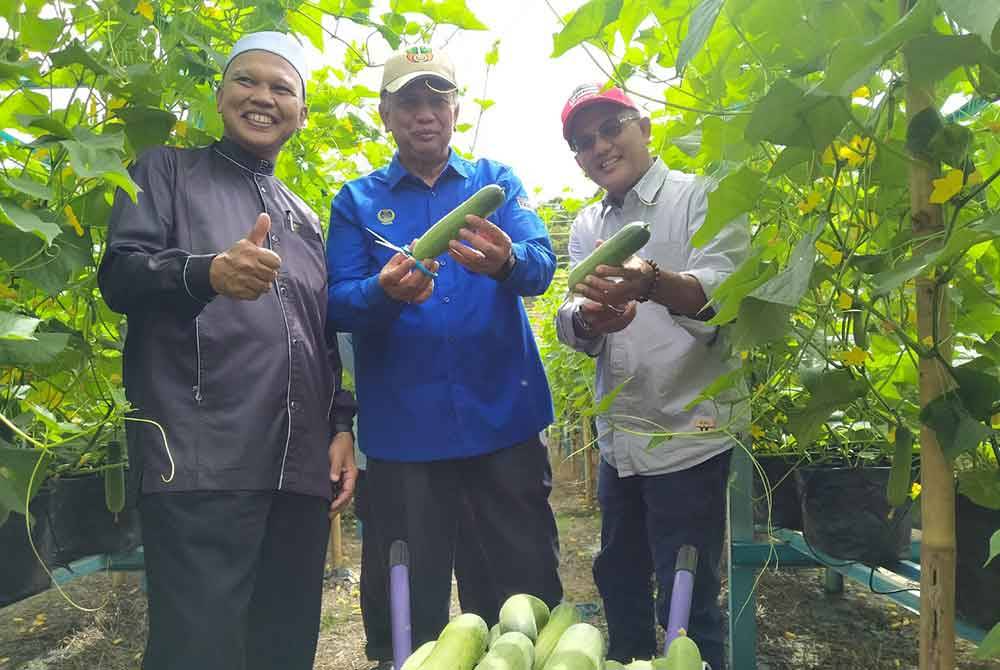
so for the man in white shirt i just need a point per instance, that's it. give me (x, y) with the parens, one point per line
(645, 323)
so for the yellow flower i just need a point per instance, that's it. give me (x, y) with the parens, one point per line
(845, 301)
(181, 128)
(891, 436)
(928, 341)
(995, 421)
(829, 157)
(115, 103)
(947, 187)
(7, 292)
(73, 221)
(832, 255)
(145, 9)
(862, 92)
(744, 355)
(975, 178)
(915, 490)
(756, 430)
(857, 151)
(856, 356)
(810, 203)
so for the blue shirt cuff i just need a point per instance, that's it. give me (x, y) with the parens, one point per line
(378, 300)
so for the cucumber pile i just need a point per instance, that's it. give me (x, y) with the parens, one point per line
(530, 637)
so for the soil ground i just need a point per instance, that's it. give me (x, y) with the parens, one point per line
(800, 627)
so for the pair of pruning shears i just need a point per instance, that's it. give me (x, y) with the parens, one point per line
(403, 250)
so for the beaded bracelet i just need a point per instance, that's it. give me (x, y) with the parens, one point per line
(652, 285)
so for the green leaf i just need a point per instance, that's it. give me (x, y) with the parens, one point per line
(586, 23)
(735, 195)
(979, 390)
(933, 57)
(29, 186)
(702, 20)
(994, 548)
(17, 326)
(729, 380)
(24, 102)
(44, 122)
(791, 284)
(17, 69)
(40, 35)
(789, 158)
(16, 469)
(990, 646)
(43, 349)
(89, 160)
(789, 116)
(493, 55)
(759, 322)
(656, 441)
(605, 405)
(146, 127)
(921, 129)
(831, 391)
(957, 430)
(27, 221)
(307, 20)
(452, 12)
(981, 486)
(76, 54)
(890, 280)
(977, 16)
(68, 254)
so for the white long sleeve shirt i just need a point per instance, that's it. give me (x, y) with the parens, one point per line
(664, 360)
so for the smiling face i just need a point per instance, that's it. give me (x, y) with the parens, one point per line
(421, 120)
(261, 102)
(614, 163)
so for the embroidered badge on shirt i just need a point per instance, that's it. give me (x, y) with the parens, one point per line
(525, 203)
(704, 424)
(386, 216)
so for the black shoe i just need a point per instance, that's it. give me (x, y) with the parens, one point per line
(384, 665)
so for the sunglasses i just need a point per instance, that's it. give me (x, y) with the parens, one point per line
(608, 130)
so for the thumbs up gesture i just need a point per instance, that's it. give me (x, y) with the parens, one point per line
(247, 269)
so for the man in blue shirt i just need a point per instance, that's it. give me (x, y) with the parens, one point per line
(452, 391)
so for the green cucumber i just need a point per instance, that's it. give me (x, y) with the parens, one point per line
(683, 654)
(614, 251)
(493, 636)
(562, 617)
(419, 656)
(579, 640)
(435, 241)
(511, 651)
(639, 665)
(613, 665)
(523, 613)
(114, 479)
(898, 487)
(460, 645)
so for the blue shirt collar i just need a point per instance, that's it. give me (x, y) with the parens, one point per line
(395, 172)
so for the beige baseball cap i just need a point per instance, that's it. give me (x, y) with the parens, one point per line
(414, 62)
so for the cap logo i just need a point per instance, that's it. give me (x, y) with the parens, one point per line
(583, 91)
(386, 216)
(419, 55)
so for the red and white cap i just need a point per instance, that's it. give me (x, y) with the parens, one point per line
(589, 94)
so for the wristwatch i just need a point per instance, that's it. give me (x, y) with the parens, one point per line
(580, 325)
(506, 268)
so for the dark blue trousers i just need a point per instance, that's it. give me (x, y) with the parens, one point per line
(645, 519)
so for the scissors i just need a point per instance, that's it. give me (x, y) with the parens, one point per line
(403, 250)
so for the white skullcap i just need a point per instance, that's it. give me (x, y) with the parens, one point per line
(277, 43)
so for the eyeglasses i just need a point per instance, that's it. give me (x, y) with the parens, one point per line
(609, 130)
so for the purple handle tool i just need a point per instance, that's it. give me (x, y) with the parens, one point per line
(680, 598)
(399, 602)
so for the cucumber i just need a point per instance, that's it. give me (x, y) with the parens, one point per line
(419, 656)
(114, 479)
(435, 241)
(525, 614)
(614, 251)
(898, 487)
(511, 651)
(460, 645)
(562, 617)
(639, 665)
(613, 665)
(493, 636)
(858, 329)
(683, 654)
(580, 639)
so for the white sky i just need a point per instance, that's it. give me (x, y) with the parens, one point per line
(522, 129)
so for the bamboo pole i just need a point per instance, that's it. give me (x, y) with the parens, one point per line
(588, 465)
(335, 551)
(937, 552)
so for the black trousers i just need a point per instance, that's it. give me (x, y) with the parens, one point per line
(513, 546)
(235, 579)
(644, 521)
(477, 592)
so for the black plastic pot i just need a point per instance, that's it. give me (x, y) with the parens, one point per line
(786, 509)
(977, 588)
(81, 523)
(22, 575)
(846, 515)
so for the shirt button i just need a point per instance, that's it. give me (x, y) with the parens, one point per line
(443, 263)
(284, 291)
(274, 238)
(447, 299)
(524, 383)
(295, 342)
(293, 405)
